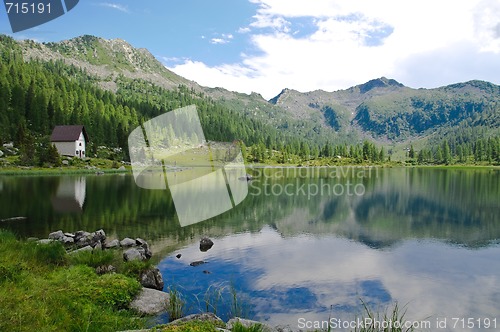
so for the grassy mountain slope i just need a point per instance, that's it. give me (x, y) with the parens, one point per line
(382, 110)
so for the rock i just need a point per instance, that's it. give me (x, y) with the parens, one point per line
(44, 241)
(248, 323)
(69, 235)
(67, 240)
(112, 244)
(152, 278)
(204, 317)
(127, 242)
(86, 248)
(134, 254)
(99, 236)
(206, 244)
(150, 302)
(178, 256)
(80, 234)
(32, 239)
(98, 246)
(65, 162)
(207, 272)
(84, 241)
(121, 168)
(9, 145)
(58, 236)
(1, 153)
(144, 245)
(103, 269)
(197, 263)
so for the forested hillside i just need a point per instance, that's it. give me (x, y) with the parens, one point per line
(112, 88)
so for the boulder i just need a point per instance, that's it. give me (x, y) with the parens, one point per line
(204, 317)
(1, 154)
(144, 245)
(98, 246)
(206, 244)
(67, 240)
(81, 234)
(69, 235)
(86, 248)
(112, 244)
(127, 242)
(58, 236)
(248, 323)
(152, 278)
(134, 254)
(99, 236)
(65, 162)
(150, 302)
(84, 241)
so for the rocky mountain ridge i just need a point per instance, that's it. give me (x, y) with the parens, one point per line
(381, 109)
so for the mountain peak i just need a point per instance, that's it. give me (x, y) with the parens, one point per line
(381, 82)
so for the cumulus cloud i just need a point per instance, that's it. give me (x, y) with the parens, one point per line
(351, 42)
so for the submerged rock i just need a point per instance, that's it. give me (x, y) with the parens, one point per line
(197, 263)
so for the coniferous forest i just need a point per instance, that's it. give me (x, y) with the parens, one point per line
(37, 95)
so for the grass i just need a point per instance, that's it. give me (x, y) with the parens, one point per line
(44, 289)
(175, 308)
(395, 315)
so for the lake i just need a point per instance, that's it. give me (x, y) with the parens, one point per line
(305, 245)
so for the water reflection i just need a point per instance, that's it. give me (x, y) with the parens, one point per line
(70, 195)
(426, 237)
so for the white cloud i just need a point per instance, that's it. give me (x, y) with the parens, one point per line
(355, 41)
(115, 6)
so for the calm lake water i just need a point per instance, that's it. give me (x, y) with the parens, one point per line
(305, 244)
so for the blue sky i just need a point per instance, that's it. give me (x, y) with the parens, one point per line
(267, 45)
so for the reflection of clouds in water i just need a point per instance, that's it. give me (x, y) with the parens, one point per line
(303, 276)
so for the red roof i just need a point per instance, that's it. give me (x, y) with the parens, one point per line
(68, 133)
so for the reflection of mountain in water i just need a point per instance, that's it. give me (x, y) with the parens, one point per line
(70, 195)
(456, 206)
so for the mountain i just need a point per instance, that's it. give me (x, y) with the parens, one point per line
(381, 110)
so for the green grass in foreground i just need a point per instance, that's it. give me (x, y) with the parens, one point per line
(42, 290)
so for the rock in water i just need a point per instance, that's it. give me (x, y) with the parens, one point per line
(197, 263)
(152, 278)
(206, 244)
